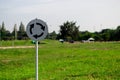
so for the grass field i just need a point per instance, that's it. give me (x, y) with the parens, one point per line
(78, 61)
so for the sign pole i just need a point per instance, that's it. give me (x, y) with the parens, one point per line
(36, 60)
(37, 30)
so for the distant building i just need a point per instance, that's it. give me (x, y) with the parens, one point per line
(61, 40)
(89, 40)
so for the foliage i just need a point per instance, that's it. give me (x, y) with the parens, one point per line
(104, 35)
(110, 34)
(52, 35)
(3, 31)
(14, 35)
(0, 33)
(22, 32)
(85, 35)
(69, 29)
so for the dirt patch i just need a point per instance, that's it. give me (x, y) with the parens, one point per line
(11, 47)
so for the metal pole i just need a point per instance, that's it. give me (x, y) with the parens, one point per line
(36, 60)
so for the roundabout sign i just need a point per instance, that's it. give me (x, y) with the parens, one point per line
(37, 29)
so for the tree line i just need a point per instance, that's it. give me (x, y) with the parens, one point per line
(68, 31)
(15, 34)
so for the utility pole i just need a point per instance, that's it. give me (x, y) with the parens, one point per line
(15, 34)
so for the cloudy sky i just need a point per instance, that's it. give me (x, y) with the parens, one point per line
(91, 15)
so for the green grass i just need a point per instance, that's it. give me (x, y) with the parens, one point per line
(78, 61)
(16, 43)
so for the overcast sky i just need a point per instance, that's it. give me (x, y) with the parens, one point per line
(91, 15)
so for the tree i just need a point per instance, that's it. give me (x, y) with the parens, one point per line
(22, 27)
(3, 26)
(0, 32)
(97, 36)
(3, 31)
(8, 35)
(21, 32)
(117, 33)
(52, 35)
(85, 35)
(14, 33)
(105, 34)
(69, 30)
(0, 27)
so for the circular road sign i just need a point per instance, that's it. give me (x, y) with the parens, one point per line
(37, 29)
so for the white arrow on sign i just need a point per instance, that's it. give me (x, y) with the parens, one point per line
(37, 29)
